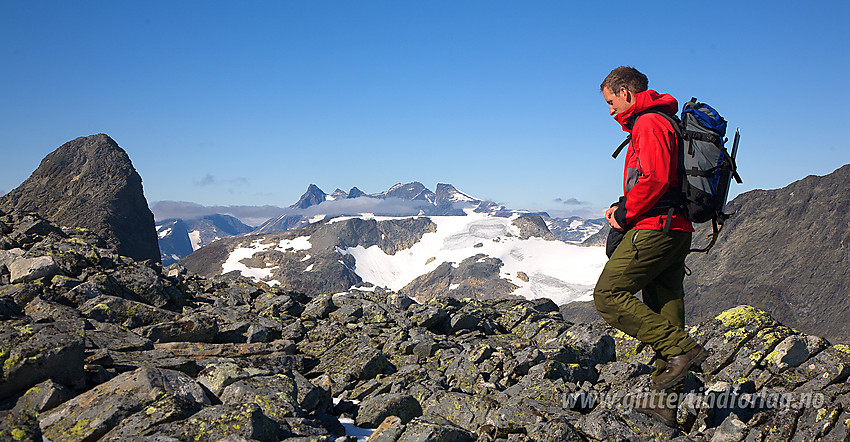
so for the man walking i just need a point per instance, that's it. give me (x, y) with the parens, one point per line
(651, 255)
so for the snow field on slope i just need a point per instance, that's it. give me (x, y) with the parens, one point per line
(556, 270)
(261, 274)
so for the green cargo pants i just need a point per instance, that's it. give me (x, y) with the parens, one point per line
(654, 262)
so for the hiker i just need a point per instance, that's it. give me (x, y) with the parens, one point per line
(654, 240)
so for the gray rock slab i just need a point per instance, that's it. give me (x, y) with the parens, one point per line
(94, 413)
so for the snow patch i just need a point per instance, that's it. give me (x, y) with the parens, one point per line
(233, 261)
(297, 243)
(195, 239)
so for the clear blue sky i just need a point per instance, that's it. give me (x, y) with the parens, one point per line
(246, 103)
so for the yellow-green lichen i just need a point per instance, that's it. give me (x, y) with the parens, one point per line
(25, 330)
(742, 316)
(842, 348)
(80, 427)
(11, 362)
(18, 434)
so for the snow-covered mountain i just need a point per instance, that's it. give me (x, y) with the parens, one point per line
(178, 240)
(574, 229)
(179, 237)
(412, 199)
(478, 255)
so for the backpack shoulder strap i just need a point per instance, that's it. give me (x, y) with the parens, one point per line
(621, 146)
(674, 121)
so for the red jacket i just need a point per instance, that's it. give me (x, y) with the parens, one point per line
(651, 163)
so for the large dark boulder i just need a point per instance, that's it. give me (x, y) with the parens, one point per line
(90, 182)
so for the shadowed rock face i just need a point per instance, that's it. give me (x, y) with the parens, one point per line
(90, 182)
(784, 251)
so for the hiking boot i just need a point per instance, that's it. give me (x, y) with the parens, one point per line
(656, 408)
(678, 366)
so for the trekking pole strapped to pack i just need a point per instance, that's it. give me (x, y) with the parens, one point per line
(705, 166)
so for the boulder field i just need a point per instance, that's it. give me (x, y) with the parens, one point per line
(95, 346)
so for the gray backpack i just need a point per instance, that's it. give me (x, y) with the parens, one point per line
(706, 168)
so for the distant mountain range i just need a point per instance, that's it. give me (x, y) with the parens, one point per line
(478, 256)
(179, 237)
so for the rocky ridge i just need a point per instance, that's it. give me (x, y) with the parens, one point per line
(97, 346)
(90, 182)
(786, 251)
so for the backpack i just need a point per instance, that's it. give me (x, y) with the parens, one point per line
(705, 167)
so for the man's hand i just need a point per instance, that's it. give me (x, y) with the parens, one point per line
(609, 215)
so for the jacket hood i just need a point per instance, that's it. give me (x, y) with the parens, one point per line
(644, 101)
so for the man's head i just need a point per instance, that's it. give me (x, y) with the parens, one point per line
(619, 88)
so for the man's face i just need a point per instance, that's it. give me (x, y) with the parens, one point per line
(618, 102)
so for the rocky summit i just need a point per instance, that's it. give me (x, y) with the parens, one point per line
(90, 182)
(96, 346)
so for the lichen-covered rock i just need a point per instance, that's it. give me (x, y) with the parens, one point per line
(110, 336)
(726, 334)
(31, 353)
(464, 410)
(388, 431)
(794, 350)
(436, 429)
(142, 283)
(19, 426)
(43, 397)
(89, 182)
(42, 310)
(192, 328)
(218, 375)
(276, 395)
(375, 409)
(753, 353)
(32, 269)
(92, 414)
(556, 430)
(147, 421)
(604, 424)
(131, 314)
(216, 423)
(312, 398)
(319, 307)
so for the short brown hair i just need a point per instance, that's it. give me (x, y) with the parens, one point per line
(625, 76)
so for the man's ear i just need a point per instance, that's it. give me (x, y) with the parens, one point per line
(627, 94)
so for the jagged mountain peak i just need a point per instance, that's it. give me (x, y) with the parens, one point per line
(311, 197)
(355, 193)
(447, 194)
